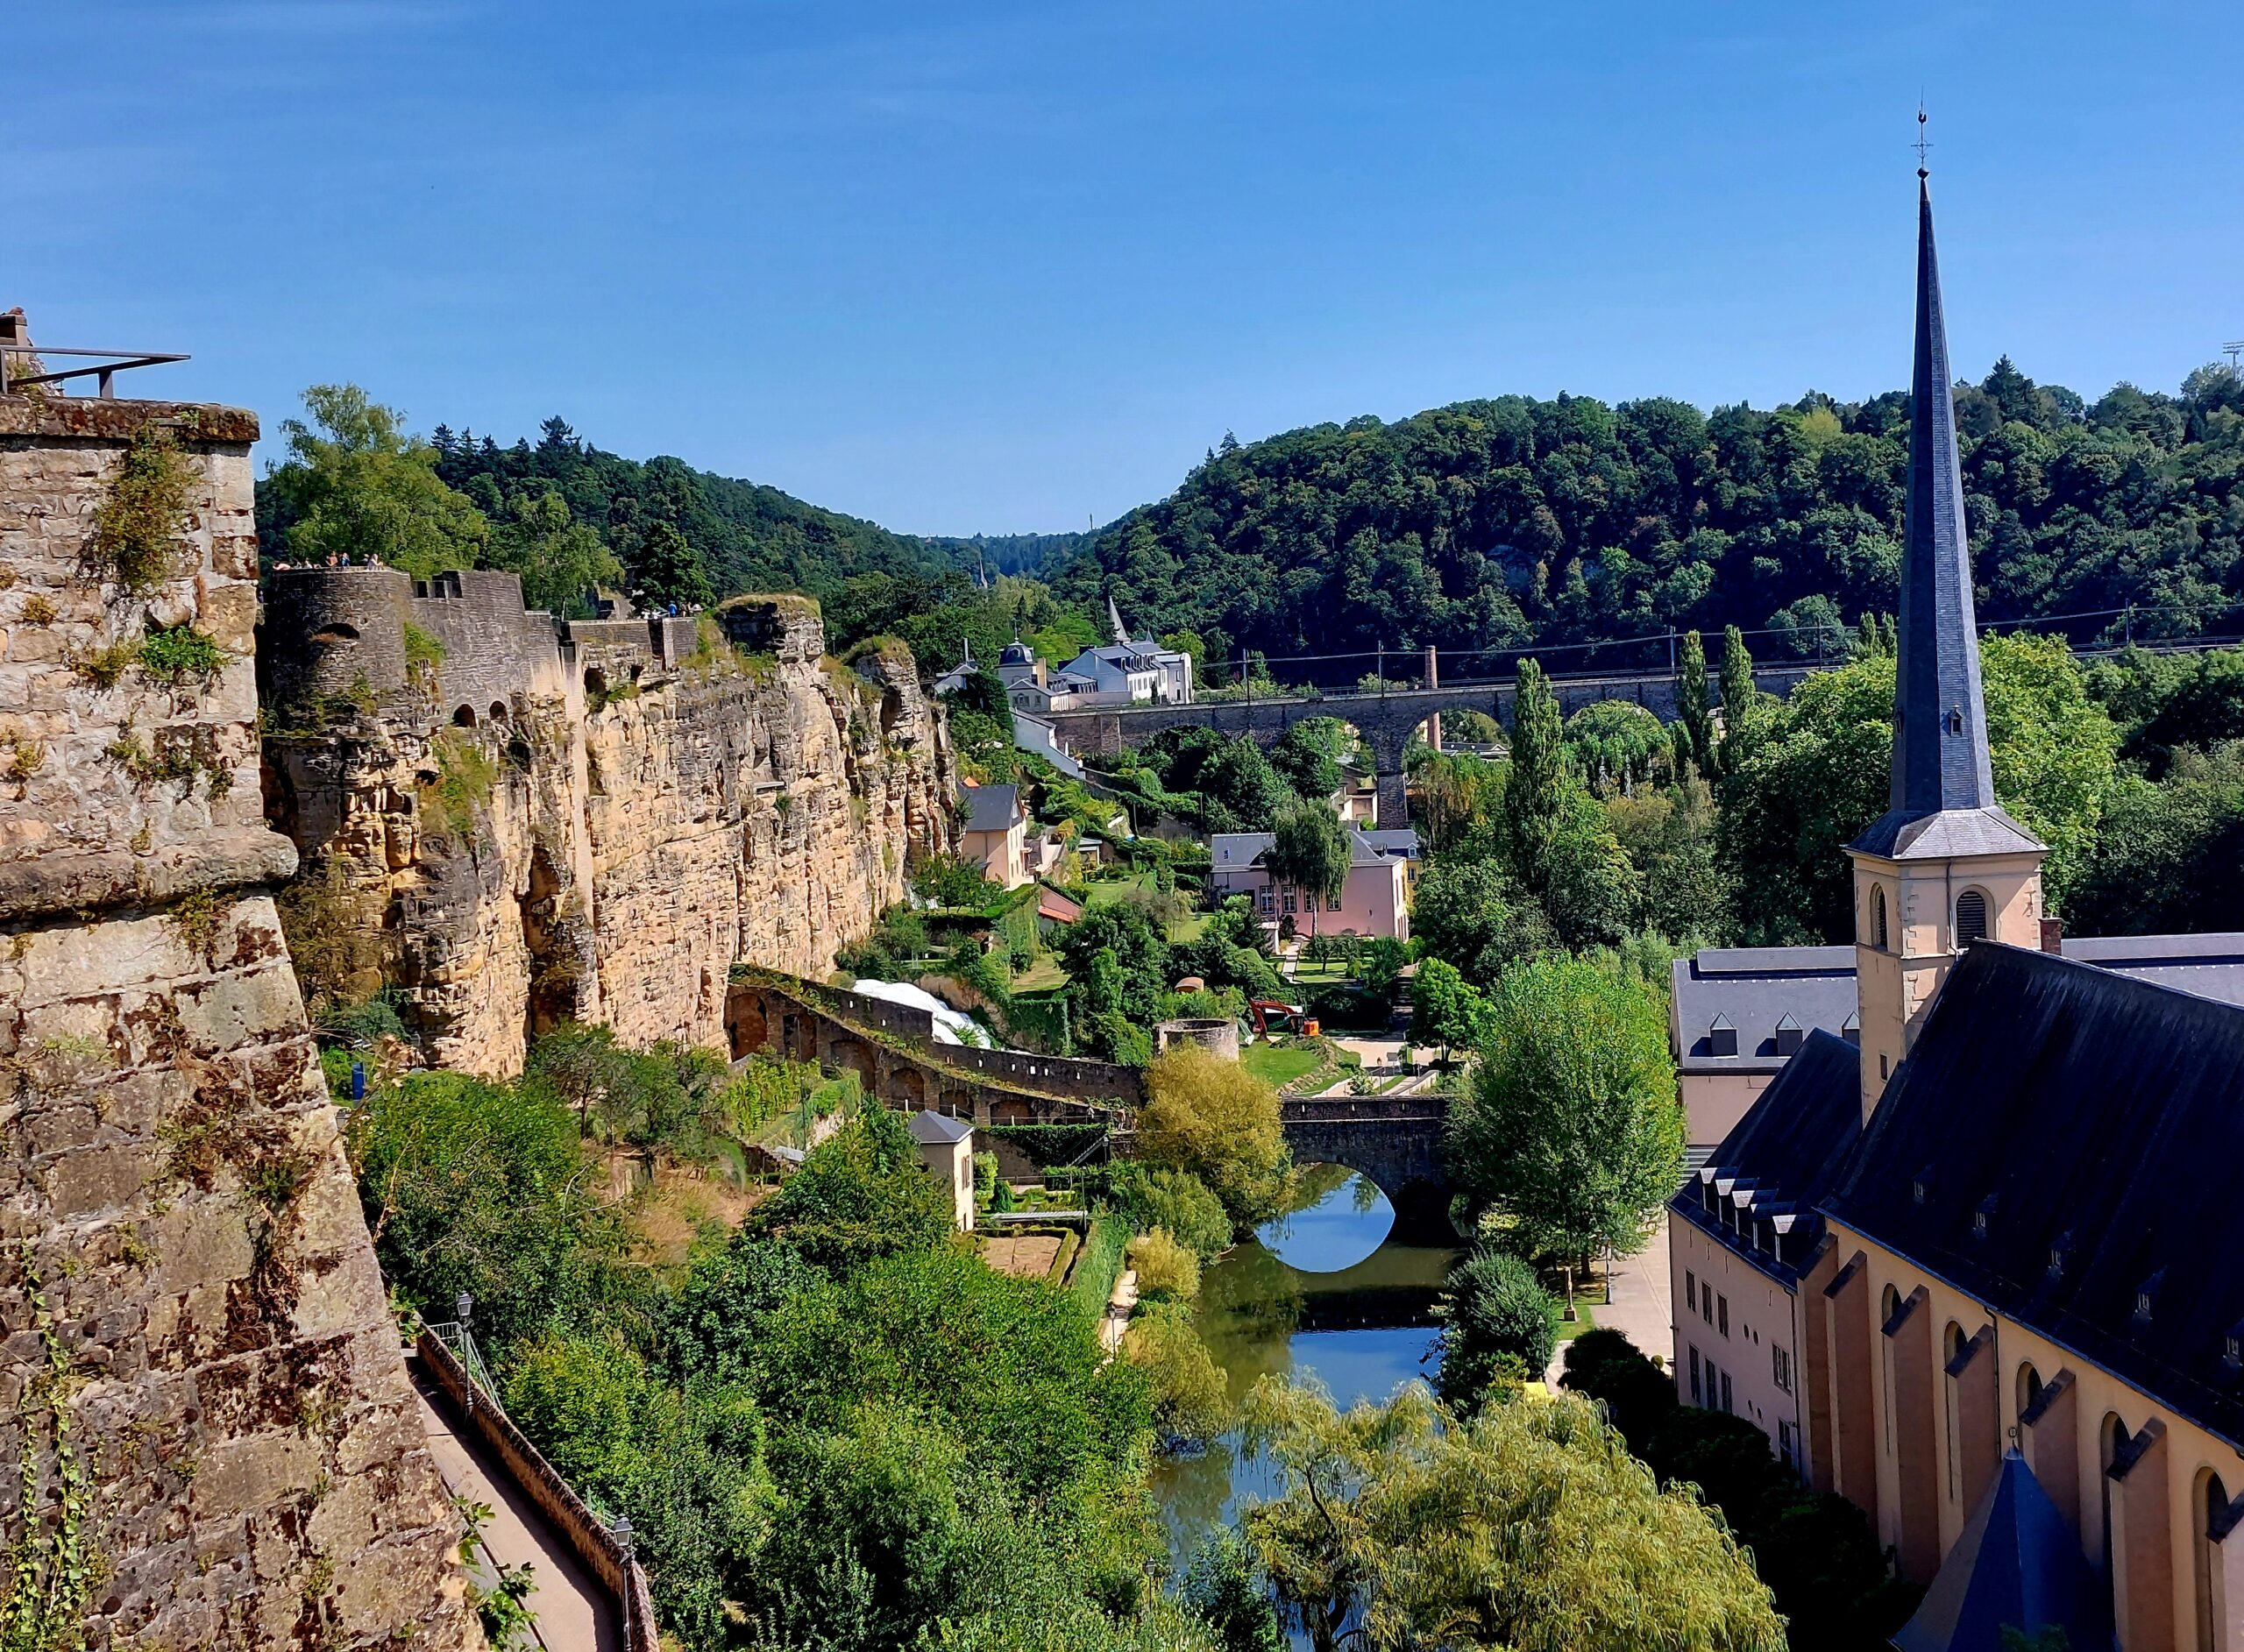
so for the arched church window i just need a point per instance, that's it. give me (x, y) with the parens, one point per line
(2206, 1509)
(1878, 915)
(1970, 917)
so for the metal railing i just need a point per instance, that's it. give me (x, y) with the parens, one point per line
(15, 378)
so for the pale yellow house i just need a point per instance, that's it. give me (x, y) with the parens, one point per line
(946, 1148)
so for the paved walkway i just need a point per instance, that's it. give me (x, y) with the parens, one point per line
(1120, 1307)
(573, 1612)
(1643, 1307)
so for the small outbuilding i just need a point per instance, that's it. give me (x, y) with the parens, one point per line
(946, 1148)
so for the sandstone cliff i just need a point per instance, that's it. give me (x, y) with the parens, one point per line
(205, 1413)
(522, 828)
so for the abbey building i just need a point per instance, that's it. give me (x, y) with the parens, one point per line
(1971, 1260)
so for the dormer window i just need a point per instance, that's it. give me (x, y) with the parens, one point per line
(1721, 1037)
(1955, 719)
(1850, 1029)
(2146, 1294)
(1982, 1217)
(1788, 1036)
(1970, 917)
(1921, 1186)
(2232, 1350)
(2059, 1252)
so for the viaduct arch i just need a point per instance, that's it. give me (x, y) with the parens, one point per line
(1386, 720)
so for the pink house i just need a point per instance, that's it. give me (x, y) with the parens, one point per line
(1376, 900)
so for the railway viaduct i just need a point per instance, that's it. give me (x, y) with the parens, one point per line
(1386, 718)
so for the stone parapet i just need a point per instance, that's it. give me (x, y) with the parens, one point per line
(205, 1384)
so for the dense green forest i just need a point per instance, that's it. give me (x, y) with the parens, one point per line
(1516, 522)
(1505, 524)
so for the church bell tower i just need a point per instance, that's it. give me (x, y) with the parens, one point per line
(1945, 865)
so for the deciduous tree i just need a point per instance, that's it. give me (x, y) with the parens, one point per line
(1571, 1135)
(1214, 1119)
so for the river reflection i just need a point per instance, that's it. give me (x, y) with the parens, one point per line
(1323, 1292)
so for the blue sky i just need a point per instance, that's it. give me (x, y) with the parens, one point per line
(1011, 267)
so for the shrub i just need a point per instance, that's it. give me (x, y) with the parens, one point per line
(1176, 1201)
(1165, 1268)
(1099, 1264)
(137, 527)
(1191, 1405)
(1495, 1308)
(173, 654)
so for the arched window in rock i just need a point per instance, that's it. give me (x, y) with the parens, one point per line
(1970, 917)
(464, 718)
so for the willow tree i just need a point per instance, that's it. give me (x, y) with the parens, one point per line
(1528, 1528)
(1310, 851)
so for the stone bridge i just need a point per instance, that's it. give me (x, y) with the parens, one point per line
(1386, 720)
(1393, 1140)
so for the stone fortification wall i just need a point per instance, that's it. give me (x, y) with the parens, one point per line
(607, 853)
(343, 631)
(196, 1362)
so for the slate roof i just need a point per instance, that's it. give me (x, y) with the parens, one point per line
(989, 808)
(1237, 851)
(1942, 797)
(1756, 987)
(1785, 1155)
(2016, 1564)
(938, 1128)
(2097, 1121)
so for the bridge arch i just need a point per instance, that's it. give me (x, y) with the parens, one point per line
(1395, 1145)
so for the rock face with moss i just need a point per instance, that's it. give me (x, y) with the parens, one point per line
(504, 823)
(208, 1435)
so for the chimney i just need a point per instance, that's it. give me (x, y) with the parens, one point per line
(2053, 935)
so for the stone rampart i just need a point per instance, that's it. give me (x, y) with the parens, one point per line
(200, 1377)
(672, 805)
(893, 1049)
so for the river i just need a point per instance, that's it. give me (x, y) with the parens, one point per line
(1323, 1292)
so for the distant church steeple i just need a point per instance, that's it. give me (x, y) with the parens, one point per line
(1945, 865)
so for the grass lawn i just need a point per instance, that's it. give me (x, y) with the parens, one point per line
(1106, 891)
(1277, 1064)
(1570, 1329)
(1041, 976)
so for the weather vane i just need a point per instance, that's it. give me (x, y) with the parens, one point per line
(1921, 144)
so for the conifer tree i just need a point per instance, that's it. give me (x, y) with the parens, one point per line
(1738, 697)
(1694, 704)
(1535, 797)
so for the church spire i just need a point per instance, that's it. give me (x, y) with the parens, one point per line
(1941, 764)
(1940, 732)
(1944, 866)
